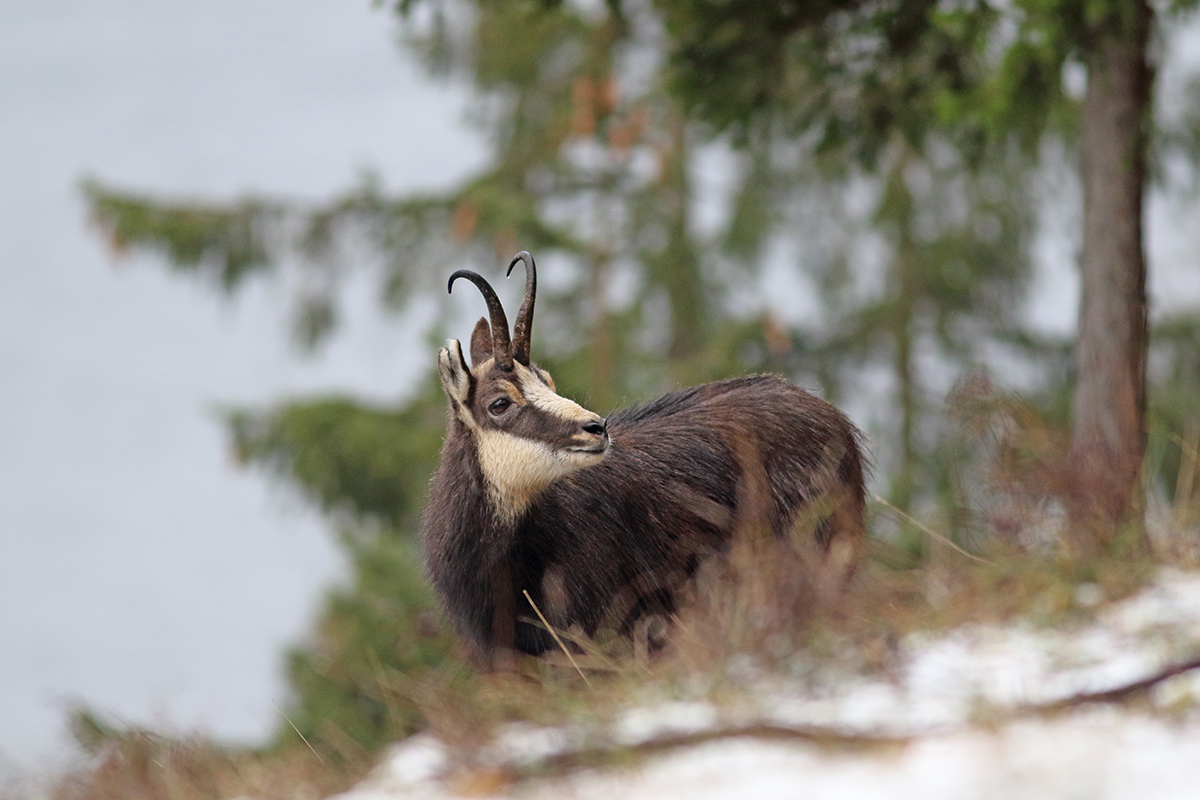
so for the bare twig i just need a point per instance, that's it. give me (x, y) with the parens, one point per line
(1119, 693)
(826, 738)
(933, 534)
(1188, 459)
(298, 733)
(554, 633)
(840, 739)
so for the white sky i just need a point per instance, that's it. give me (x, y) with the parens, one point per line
(140, 571)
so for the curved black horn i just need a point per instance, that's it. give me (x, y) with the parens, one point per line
(501, 345)
(523, 329)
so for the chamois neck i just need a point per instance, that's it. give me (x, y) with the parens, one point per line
(507, 500)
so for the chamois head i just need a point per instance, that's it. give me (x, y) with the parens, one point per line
(526, 435)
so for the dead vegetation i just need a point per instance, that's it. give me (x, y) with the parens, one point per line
(130, 763)
(774, 604)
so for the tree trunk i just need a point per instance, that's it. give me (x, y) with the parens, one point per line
(679, 265)
(1109, 401)
(601, 345)
(906, 476)
(900, 213)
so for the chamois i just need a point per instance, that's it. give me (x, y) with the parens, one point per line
(600, 520)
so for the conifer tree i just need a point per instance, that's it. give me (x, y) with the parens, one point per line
(597, 117)
(983, 74)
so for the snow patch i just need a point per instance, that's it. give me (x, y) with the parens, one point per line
(957, 697)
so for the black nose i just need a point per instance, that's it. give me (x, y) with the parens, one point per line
(596, 428)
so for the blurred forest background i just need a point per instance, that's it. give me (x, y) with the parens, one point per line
(887, 171)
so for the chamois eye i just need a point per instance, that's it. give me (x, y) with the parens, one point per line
(499, 406)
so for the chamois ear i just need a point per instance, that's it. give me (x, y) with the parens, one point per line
(452, 369)
(481, 342)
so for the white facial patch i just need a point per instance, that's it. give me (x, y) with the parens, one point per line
(541, 396)
(517, 468)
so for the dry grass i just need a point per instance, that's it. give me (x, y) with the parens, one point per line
(768, 601)
(706, 644)
(759, 604)
(126, 763)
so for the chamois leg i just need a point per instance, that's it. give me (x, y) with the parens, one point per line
(846, 543)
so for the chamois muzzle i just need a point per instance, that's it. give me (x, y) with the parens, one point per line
(594, 439)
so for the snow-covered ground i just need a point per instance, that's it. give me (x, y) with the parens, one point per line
(977, 712)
